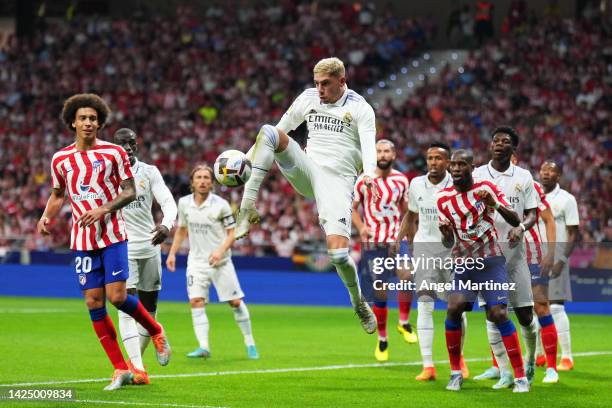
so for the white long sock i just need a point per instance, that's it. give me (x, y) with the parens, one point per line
(262, 157)
(129, 336)
(530, 335)
(497, 345)
(463, 329)
(200, 326)
(143, 335)
(425, 330)
(563, 330)
(243, 318)
(347, 270)
(539, 348)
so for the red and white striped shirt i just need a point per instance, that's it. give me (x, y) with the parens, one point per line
(534, 237)
(382, 215)
(92, 178)
(471, 219)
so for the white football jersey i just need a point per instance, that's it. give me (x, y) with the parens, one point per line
(138, 217)
(422, 199)
(341, 135)
(565, 210)
(207, 226)
(517, 185)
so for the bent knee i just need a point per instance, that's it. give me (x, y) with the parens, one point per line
(339, 256)
(197, 302)
(234, 303)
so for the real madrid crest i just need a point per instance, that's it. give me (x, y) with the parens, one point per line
(518, 187)
(348, 118)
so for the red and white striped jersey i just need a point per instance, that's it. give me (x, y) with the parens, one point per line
(534, 237)
(472, 221)
(92, 178)
(382, 215)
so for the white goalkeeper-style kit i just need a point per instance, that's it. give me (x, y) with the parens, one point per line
(340, 145)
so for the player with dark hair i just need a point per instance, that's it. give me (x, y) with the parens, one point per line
(517, 185)
(143, 248)
(378, 231)
(99, 180)
(565, 211)
(420, 226)
(466, 211)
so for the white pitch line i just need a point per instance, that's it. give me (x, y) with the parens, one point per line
(9, 310)
(281, 370)
(134, 403)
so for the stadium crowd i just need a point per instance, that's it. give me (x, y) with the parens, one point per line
(193, 86)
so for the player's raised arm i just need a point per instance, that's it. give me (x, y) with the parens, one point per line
(53, 207)
(164, 198)
(495, 199)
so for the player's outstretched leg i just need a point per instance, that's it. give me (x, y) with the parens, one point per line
(262, 157)
(513, 347)
(149, 301)
(563, 330)
(529, 331)
(243, 319)
(549, 340)
(425, 328)
(346, 268)
(453, 345)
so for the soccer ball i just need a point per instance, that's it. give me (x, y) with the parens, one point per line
(232, 168)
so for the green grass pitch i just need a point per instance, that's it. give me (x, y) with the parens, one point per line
(310, 357)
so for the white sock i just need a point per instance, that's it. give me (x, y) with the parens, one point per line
(425, 330)
(243, 318)
(200, 326)
(530, 335)
(539, 348)
(563, 330)
(347, 270)
(129, 336)
(262, 157)
(497, 345)
(143, 335)
(463, 329)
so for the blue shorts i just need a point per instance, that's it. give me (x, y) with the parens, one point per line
(100, 267)
(372, 266)
(492, 272)
(536, 278)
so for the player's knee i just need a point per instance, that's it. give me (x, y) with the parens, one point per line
(94, 302)
(234, 303)
(542, 309)
(339, 256)
(497, 314)
(117, 298)
(454, 312)
(269, 135)
(524, 315)
(197, 303)
(131, 291)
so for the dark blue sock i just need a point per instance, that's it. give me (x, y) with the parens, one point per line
(97, 314)
(130, 305)
(546, 320)
(380, 303)
(506, 328)
(450, 325)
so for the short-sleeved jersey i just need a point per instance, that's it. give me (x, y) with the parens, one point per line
(382, 215)
(472, 221)
(422, 199)
(536, 236)
(565, 210)
(149, 185)
(206, 224)
(92, 178)
(338, 133)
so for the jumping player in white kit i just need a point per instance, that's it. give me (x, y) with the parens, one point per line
(341, 143)
(517, 185)
(208, 221)
(144, 254)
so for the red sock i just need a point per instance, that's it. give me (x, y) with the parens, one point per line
(513, 348)
(494, 359)
(549, 341)
(404, 299)
(381, 319)
(453, 345)
(108, 338)
(142, 316)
